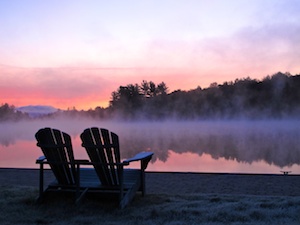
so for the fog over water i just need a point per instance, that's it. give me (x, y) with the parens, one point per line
(273, 142)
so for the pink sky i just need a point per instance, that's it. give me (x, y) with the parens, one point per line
(75, 54)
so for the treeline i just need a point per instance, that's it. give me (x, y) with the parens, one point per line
(8, 112)
(276, 96)
(273, 97)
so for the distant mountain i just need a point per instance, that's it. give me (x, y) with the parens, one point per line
(35, 111)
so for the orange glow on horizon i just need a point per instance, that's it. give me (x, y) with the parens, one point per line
(88, 88)
(78, 104)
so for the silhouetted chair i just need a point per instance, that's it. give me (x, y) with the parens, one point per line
(58, 153)
(103, 148)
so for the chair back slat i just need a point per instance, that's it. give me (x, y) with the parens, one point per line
(103, 149)
(57, 148)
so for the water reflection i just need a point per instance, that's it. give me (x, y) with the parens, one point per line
(273, 143)
(206, 164)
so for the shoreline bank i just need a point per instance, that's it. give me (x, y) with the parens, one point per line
(176, 183)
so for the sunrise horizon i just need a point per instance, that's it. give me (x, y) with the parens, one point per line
(91, 104)
(75, 54)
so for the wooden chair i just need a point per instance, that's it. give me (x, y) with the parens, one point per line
(58, 153)
(103, 148)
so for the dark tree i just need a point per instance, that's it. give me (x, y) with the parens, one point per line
(126, 101)
(8, 112)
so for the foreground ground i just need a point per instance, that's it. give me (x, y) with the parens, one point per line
(173, 198)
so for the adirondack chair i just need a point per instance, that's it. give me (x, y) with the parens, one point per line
(103, 148)
(58, 153)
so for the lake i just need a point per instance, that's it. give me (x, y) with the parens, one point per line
(190, 146)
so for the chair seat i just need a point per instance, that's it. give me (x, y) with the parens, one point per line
(90, 180)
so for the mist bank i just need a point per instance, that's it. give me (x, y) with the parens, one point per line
(274, 141)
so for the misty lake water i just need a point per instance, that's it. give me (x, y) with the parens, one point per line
(194, 146)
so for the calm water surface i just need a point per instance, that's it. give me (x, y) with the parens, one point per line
(195, 146)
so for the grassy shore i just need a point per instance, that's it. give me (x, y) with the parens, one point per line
(18, 206)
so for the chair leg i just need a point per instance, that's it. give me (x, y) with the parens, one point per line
(41, 184)
(144, 164)
(129, 195)
(80, 197)
(143, 186)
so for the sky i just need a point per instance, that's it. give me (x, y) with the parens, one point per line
(75, 53)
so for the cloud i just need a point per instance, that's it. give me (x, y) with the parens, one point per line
(268, 48)
(250, 51)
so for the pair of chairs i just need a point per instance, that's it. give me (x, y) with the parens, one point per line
(103, 173)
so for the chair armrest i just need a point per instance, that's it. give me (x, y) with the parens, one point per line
(139, 156)
(41, 159)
